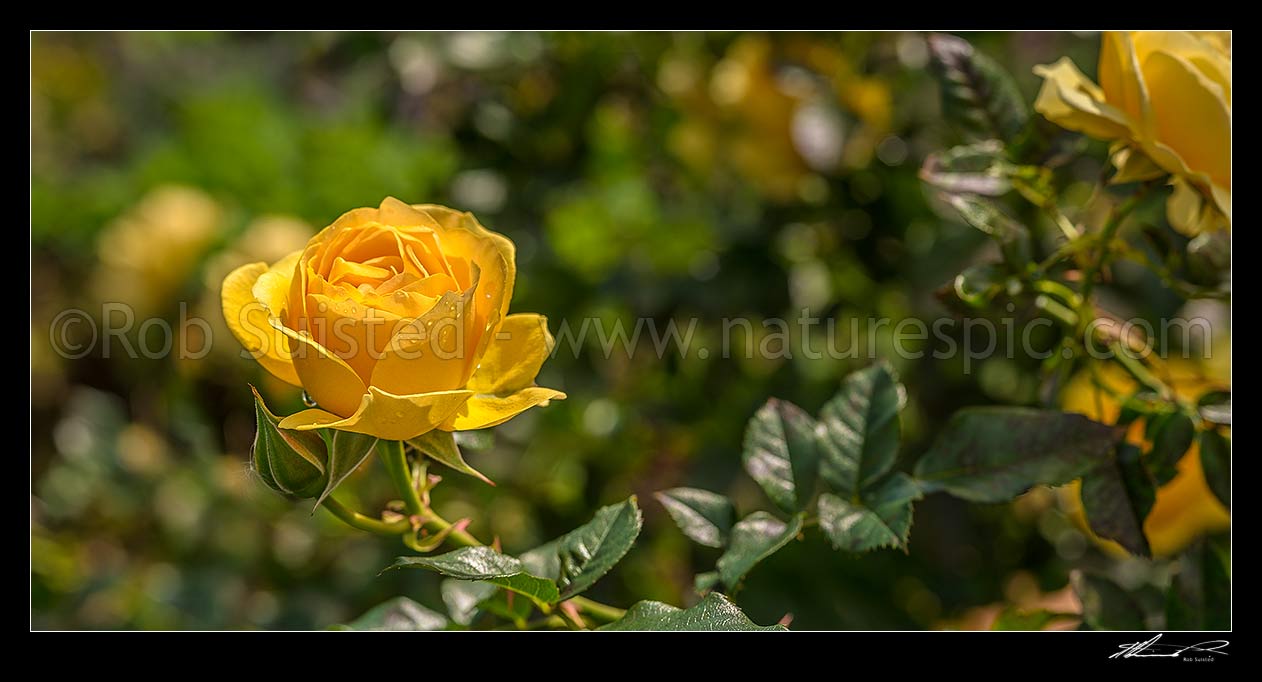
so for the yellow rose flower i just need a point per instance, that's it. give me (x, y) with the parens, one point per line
(395, 321)
(1166, 94)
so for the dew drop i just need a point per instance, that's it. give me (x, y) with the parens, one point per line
(488, 296)
(307, 399)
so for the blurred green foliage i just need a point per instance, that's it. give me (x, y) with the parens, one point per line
(665, 176)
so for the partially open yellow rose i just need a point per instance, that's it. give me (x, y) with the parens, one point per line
(395, 321)
(1167, 95)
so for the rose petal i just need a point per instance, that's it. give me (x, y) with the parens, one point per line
(1190, 115)
(352, 331)
(514, 356)
(1208, 59)
(1119, 75)
(386, 415)
(247, 318)
(483, 411)
(326, 377)
(1071, 101)
(429, 353)
(494, 257)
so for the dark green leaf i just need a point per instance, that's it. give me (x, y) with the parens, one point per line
(1200, 593)
(714, 612)
(590, 551)
(1013, 618)
(754, 538)
(440, 446)
(1117, 495)
(881, 518)
(978, 95)
(1216, 463)
(781, 453)
(703, 516)
(1105, 605)
(289, 462)
(398, 615)
(1215, 406)
(993, 454)
(1171, 435)
(1142, 403)
(486, 565)
(859, 429)
(346, 452)
(508, 606)
(1218, 414)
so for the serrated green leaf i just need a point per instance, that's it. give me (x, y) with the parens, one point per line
(993, 454)
(1200, 592)
(1012, 618)
(978, 96)
(714, 612)
(881, 518)
(755, 538)
(1171, 435)
(289, 462)
(703, 516)
(486, 565)
(1216, 464)
(441, 447)
(1117, 495)
(781, 453)
(1105, 605)
(859, 429)
(346, 452)
(462, 598)
(398, 615)
(590, 551)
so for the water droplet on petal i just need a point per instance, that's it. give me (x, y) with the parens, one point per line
(307, 399)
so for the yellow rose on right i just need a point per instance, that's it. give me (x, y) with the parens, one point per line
(1165, 98)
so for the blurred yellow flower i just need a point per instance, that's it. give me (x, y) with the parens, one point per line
(395, 321)
(770, 110)
(1166, 95)
(152, 249)
(1185, 508)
